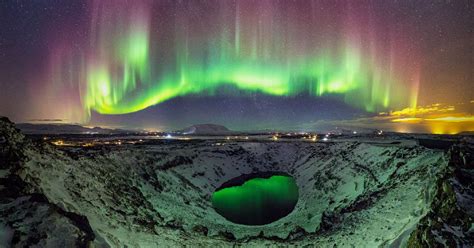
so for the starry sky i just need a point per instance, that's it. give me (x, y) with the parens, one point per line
(246, 64)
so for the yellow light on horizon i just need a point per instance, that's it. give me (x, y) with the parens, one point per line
(453, 119)
(408, 120)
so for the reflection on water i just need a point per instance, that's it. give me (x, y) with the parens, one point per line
(257, 201)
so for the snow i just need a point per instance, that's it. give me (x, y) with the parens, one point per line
(107, 187)
(206, 129)
(6, 235)
(352, 194)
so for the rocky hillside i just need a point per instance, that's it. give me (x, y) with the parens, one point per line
(450, 221)
(351, 193)
(27, 216)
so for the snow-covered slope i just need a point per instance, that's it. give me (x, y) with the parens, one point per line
(206, 129)
(351, 194)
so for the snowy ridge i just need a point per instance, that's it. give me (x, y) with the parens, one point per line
(139, 196)
(206, 129)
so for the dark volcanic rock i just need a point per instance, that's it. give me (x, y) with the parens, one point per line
(450, 223)
(27, 214)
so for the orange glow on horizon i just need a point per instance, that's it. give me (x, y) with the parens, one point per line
(434, 108)
(408, 120)
(434, 118)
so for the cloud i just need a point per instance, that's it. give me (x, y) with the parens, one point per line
(48, 120)
(435, 118)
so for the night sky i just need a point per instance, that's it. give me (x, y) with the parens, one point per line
(244, 64)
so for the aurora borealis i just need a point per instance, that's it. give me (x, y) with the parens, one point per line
(105, 58)
(254, 49)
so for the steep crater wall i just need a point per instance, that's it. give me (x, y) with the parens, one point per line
(349, 193)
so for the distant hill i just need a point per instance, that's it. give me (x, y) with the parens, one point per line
(29, 128)
(207, 129)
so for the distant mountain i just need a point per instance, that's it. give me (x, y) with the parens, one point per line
(207, 129)
(29, 128)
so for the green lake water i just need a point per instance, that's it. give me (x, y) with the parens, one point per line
(257, 201)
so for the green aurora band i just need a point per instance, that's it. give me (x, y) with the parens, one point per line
(134, 62)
